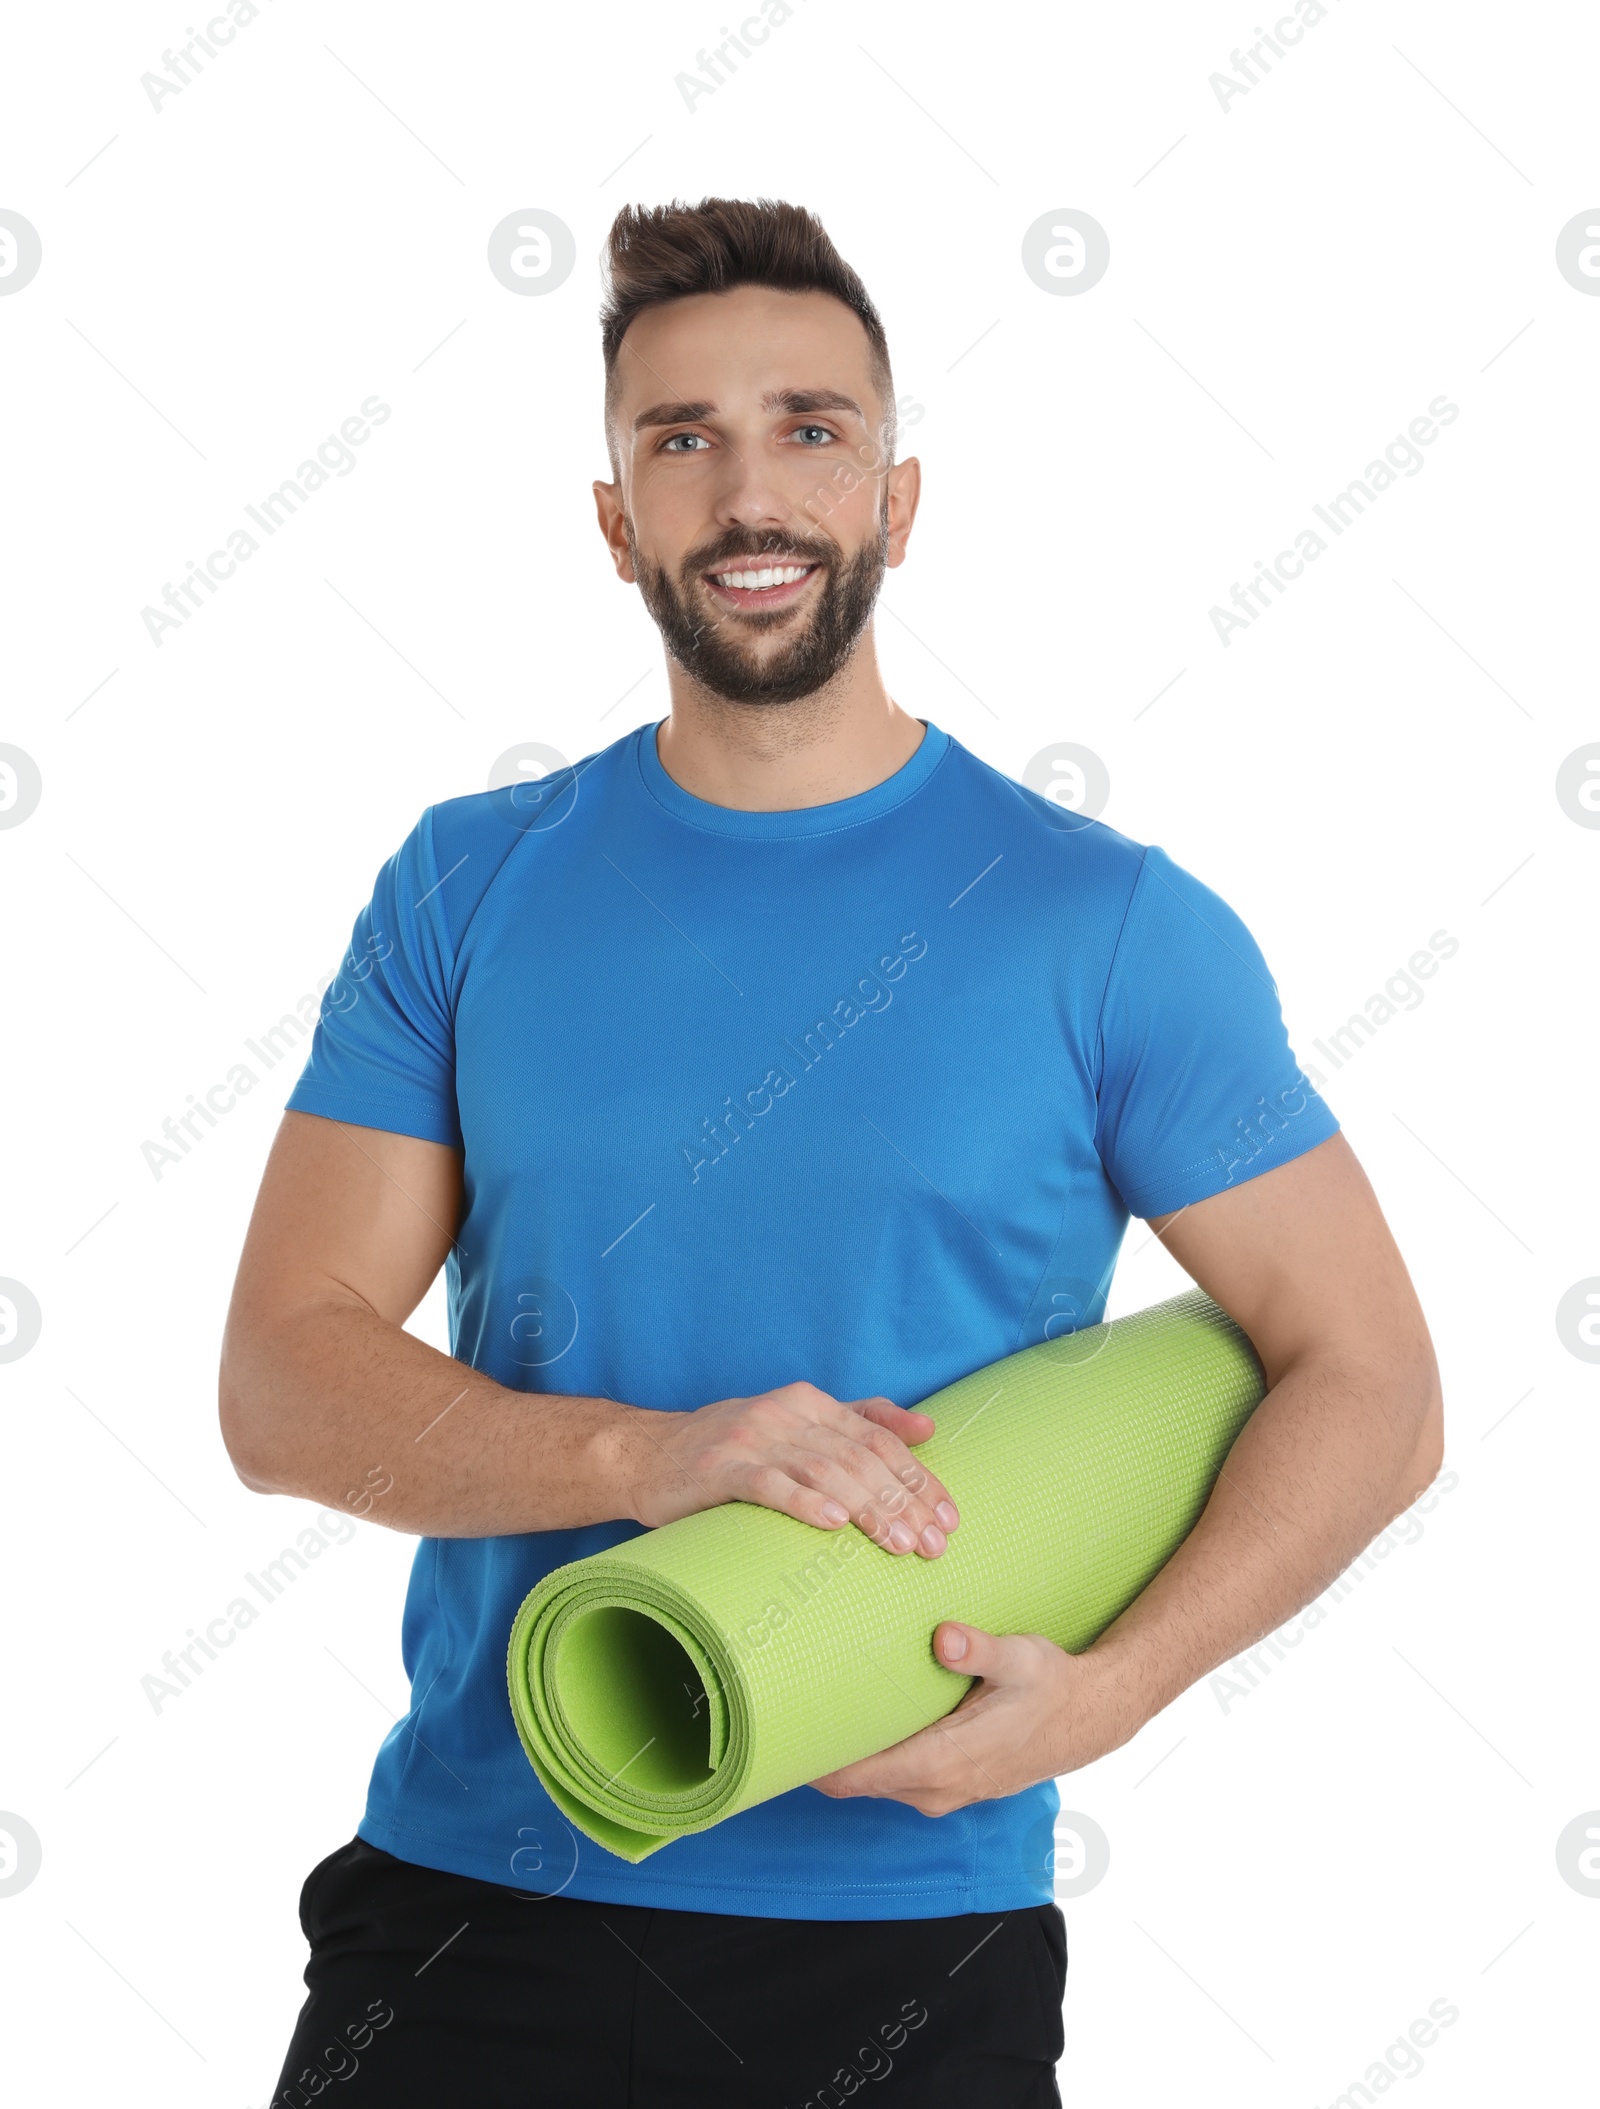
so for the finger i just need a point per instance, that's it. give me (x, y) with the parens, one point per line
(850, 1779)
(853, 1472)
(963, 1741)
(880, 1509)
(998, 1658)
(921, 1764)
(913, 1474)
(910, 1423)
(850, 1472)
(959, 1647)
(873, 1775)
(769, 1486)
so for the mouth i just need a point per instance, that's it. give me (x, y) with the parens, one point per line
(758, 584)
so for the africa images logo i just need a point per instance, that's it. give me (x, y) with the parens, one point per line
(870, 992)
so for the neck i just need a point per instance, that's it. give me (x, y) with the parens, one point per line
(774, 757)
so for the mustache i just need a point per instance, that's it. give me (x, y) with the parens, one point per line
(772, 550)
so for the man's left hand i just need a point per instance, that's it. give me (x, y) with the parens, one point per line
(1035, 1712)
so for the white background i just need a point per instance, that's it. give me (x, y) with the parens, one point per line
(1292, 280)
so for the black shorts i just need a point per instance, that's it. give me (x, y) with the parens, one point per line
(436, 1988)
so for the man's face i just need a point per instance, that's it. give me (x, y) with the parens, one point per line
(753, 506)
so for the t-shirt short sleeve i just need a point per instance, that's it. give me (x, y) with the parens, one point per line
(1198, 1089)
(383, 1053)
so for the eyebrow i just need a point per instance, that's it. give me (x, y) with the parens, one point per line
(790, 401)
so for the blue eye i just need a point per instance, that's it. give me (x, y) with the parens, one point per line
(814, 428)
(667, 444)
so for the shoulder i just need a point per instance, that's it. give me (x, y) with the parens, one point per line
(469, 840)
(1150, 914)
(1099, 863)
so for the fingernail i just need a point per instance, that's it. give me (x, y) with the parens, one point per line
(946, 1513)
(832, 1512)
(931, 1541)
(900, 1537)
(955, 1645)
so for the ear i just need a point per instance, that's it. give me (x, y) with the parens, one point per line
(903, 489)
(608, 507)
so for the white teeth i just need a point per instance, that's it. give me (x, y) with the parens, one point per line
(771, 575)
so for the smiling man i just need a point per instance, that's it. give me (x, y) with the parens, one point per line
(752, 1079)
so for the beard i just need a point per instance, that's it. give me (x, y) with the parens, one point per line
(712, 646)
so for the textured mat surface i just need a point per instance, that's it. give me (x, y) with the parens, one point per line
(737, 1653)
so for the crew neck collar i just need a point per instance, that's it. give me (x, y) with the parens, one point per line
(838, 813)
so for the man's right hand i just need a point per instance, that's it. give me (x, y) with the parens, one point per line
(827, 1461)
(323, 1394)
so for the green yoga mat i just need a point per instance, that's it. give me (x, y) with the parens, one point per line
(711, 1664)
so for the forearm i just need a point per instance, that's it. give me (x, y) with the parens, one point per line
(1329, 1457)
(334, 1403)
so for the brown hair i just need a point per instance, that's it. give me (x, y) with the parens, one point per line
(666, 252)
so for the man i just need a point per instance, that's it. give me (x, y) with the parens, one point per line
(752, 1079)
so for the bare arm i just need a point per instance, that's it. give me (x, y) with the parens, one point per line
(323, 1393)
(1350, 1433)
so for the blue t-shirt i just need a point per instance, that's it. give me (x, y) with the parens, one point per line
(861, 1094)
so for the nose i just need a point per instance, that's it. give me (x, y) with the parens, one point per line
(751, 500)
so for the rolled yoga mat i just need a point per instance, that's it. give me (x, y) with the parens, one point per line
(708, 1665)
